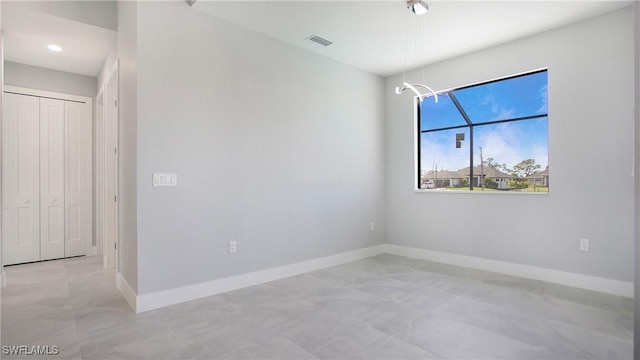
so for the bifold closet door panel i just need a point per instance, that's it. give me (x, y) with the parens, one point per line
(75, 167)
(51, 179)
(20, 179)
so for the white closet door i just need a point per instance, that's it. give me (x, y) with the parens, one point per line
(51, 179)
(75, 173)
(20, 179)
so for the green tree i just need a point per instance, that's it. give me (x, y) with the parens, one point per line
(490, 183)
(519, 184)
(489, 162)
(525, 168)
(464, 183)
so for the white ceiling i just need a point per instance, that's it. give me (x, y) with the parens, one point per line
(373, 35)
(27, 34)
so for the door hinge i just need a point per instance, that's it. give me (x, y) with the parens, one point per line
(115, 150)
(115, 246)
(115, 103)
(115, 198)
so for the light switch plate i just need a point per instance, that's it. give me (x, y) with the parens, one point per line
(584, 244)
(165, 179)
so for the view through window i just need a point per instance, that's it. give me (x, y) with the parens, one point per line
(486, 137)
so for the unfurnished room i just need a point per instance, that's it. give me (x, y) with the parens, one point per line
(349, 179)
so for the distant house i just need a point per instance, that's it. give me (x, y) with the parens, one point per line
(540, 178)
(480, 173)
(441, 179)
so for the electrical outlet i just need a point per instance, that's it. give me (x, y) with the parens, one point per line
(584, 244)
(373, 226)
(232, 247)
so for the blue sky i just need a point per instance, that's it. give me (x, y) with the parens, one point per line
(507, 143)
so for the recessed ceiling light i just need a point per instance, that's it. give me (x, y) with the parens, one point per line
(54, 47)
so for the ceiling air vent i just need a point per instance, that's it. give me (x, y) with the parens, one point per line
(317, 39)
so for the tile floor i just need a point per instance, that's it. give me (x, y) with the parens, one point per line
(385, 307)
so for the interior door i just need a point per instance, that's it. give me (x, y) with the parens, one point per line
(20, 179)
(74, 167)
(51, 179)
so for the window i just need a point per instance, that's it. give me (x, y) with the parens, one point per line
(486, 137)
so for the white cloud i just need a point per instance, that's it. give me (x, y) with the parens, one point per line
(541, 154)
(506, 143)
(544, 94)
(498, 110)
(439, 149)
(499, 142)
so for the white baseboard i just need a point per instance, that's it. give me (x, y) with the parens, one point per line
(155, 300)
(127, 291)
(609, 286)
(164, 298)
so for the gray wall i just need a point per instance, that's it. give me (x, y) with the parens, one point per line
(33, 77)
(636, 331)
(591, 146)
(1, 91)
(127, 48)
(107, 68)
(275, 147)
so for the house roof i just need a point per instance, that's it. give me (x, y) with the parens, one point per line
(443, 174)
(539, 174)
(488, 172)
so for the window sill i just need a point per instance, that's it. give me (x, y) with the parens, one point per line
(480, 192)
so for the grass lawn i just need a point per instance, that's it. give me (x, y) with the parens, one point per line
(532, 188)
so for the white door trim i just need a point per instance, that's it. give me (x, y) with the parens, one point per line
(110, 141)
(47, 94)
(98, 163)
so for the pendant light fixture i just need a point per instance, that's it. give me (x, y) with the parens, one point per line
(414, 87)
(419, 8)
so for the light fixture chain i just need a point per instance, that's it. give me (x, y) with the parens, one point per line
(430, 47)
(419, 7)
(406, 50)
